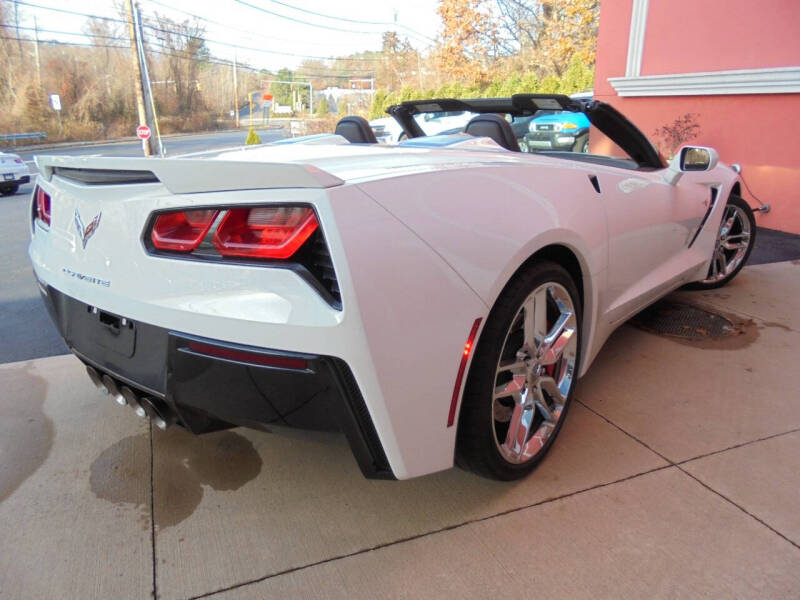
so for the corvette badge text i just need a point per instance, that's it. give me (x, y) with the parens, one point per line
(86, 278)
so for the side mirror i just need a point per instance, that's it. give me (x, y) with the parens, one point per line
(688, 159)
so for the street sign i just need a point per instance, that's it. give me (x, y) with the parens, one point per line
(267, 97)
(143, 132)
(55, 101)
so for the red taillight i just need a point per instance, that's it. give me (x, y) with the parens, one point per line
(42, 206)
(268, 360)
(265, 232)
(181, 231)
(461, 367)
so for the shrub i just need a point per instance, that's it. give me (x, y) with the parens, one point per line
(672, 136)
(252, 137)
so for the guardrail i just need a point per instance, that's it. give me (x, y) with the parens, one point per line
(13, 137)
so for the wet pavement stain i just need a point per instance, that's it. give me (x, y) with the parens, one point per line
(719, 330)
(26, 433)
(183, 465)
(121, 475)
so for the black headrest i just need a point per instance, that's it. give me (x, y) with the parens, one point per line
(495, 127)
(356, 130)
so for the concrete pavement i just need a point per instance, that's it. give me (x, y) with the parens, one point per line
(677, 475)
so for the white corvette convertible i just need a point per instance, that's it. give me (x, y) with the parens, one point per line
(436, 301)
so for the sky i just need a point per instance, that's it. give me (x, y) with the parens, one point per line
(240, 22)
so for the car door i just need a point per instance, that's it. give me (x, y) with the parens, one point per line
(651, 225)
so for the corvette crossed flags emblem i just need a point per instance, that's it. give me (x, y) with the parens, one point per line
(85, 232)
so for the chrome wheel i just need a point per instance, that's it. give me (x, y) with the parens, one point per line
(535, 373)
(733, 242)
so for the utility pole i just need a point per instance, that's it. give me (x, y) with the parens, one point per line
(137, 69)
(236, 95)
(36, 54)
(149, 104)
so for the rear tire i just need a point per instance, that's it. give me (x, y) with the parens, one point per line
(523, 375)
(735, 241)
(9, 191)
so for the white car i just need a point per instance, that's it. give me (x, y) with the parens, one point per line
(13, 173)
(388, 130)
(436, 300)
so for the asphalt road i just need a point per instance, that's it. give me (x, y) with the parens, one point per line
(26, 331)
(173, 145)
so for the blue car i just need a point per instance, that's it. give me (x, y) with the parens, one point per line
(557, 130)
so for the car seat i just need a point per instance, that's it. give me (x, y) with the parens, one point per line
(356, 130)
(494, 127)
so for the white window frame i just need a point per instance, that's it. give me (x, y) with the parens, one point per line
(771, 80)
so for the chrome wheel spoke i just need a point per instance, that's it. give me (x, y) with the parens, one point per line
(542, 406)
(730, 217)
(735, 246)
(535, 320)
(518, 430)
(549, 385)
(553, 345)
(723, 263)
(517, 367)
(513, 388)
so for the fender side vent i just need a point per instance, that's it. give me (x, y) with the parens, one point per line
(321, 266)
(105, 176)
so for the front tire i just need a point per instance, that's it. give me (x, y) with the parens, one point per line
(523, 374)
(735, 240)
(9, 191)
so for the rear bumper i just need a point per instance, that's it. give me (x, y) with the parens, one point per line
(17, 180)
(208, 383)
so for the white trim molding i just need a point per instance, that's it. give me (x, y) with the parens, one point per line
(776, 80)
(633, 67)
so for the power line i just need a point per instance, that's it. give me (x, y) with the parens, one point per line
(302, 22)
(209, 40)
(357, 21)
(253, 49)
(69, 12)
(166, 51)
(87, 35)
(247, 31)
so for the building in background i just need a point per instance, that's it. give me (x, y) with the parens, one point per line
(733, 64)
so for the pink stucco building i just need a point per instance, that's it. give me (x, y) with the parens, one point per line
(736, 63)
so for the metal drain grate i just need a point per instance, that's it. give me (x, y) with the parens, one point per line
(686, 321)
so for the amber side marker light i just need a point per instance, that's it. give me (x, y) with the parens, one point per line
(468, 347)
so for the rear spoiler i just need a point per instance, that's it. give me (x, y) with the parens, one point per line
(185, 175)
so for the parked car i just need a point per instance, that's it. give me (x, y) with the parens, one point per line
(436, 300)
(387, 130)
(13, 173)
(557, 130)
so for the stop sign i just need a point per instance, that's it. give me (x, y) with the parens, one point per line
(143, 132)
